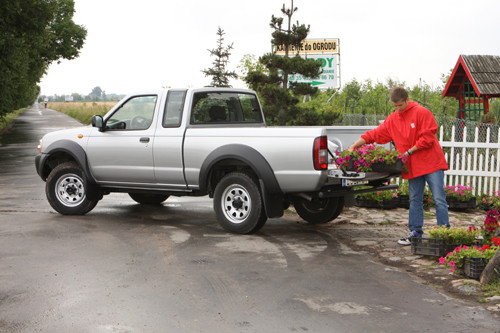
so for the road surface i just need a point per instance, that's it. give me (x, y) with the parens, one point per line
(171, 268)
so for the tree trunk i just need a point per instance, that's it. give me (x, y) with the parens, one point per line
(492, 270)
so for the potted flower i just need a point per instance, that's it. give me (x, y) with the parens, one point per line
(371, 158)
(404, 195)
(442, 240)
(472, 260)
(455, 236)
(379, 199)
(490, 226)
(490, 201)
(428, 200)
(460, 197)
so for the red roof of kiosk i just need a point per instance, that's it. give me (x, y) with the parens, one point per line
(483, 72)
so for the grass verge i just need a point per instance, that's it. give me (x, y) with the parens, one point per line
(6, 121)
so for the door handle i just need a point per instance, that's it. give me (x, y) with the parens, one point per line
(144, 139)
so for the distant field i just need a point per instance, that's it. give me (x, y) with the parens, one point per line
(82, 111)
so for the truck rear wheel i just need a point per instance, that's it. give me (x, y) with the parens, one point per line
(238, 204)
(67, 189)
(318, 210)
(148, 198)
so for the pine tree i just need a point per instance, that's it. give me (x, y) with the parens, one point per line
(220, 76)
(278, 95)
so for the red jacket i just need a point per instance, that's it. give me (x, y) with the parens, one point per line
(415, 125)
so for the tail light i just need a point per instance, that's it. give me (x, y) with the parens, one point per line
(320, 153)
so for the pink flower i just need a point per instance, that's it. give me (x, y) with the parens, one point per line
(442, 260)
(452, 263)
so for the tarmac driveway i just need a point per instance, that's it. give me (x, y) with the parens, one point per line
(171, 268)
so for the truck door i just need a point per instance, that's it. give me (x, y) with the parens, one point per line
(167, 149)
(123, 152)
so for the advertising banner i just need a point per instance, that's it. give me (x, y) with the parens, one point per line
(328, 79)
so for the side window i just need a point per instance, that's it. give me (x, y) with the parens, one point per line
(173, 108)
(249, 108)
(225, 107)
(136, 114)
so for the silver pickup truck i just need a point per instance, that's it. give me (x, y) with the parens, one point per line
(199, 142)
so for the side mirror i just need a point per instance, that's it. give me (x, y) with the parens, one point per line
(98, 122)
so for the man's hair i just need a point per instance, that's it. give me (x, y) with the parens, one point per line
(399, 94)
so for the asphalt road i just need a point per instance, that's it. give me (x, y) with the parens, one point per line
(129, 268)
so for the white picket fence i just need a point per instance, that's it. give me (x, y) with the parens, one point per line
(471, 162)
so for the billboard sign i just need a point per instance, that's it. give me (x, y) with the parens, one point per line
(312, 46)
(329, 78)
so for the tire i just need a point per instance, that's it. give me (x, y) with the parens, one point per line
(148, 198)
(318, 210)
(238, 204)
(66, 189)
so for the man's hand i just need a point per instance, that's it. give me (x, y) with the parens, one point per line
(356, 144)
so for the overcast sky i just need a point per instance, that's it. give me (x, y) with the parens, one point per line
(136, 45)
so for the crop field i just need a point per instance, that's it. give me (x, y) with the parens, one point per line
(82, 111)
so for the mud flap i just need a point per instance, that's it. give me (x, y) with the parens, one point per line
(273, 203)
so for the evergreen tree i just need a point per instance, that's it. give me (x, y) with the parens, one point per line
(278, 95)
(220, 76)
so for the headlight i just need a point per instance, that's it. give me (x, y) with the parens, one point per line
(40, 146)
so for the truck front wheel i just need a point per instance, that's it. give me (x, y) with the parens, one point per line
(238, 204)
(318, 210)
(67, 190)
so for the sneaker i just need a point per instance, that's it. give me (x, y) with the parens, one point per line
(407, 239)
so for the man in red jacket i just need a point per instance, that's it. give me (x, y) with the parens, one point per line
(413, 130)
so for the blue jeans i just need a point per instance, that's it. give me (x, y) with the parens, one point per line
(416, 187)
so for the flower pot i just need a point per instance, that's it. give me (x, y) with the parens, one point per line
(473, 267)
(404, 201)
(435, 247)
(390, 203)
(460, 205)
(372, 203)
(367, 203)
(395, 168)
